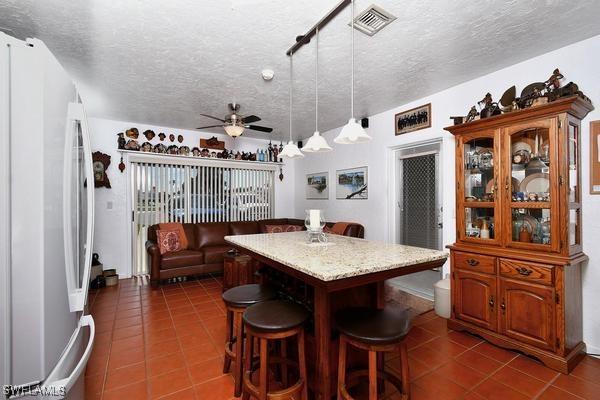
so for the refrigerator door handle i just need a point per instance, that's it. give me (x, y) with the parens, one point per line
(63, 386)
(77, 294)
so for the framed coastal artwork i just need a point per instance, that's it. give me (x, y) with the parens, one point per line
(413, 119)
(317, 186)
(351, 184)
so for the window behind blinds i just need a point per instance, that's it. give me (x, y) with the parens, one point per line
(167, 192)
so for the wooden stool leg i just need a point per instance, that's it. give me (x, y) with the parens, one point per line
(341, 367)
(302, 364)
(264, 370)
(239, 346)
(249, 353)
(404, 369)
(284, 368)
(228, 335)
(372, 375)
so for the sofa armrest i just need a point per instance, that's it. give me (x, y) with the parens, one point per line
(155, 259)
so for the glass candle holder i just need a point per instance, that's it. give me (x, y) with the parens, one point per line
(314, 222)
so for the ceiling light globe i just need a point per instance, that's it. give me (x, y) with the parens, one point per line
(234, 130)
(352, 133)
(290, 150)
(316, 144)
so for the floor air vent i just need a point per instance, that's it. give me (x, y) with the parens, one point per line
(372, 20)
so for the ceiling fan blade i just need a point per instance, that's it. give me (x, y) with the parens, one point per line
(260, 128)
(210, 126)
(250, 119)
(210, 116)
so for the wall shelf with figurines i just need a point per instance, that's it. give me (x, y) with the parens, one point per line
(208, 148)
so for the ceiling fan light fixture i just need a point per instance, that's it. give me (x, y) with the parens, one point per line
(316, 144)
(352, 133)
(290, 150)
(234, 130)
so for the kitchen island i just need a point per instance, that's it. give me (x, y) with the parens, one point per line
(340, 273)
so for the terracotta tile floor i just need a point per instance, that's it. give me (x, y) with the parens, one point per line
(168, 344)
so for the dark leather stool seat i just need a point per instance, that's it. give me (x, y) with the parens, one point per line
(247, 295)
(237, 299)
(373, 326)
(275, 316)
(268, 322)
(376, 331)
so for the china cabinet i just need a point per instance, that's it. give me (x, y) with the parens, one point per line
(516, 262)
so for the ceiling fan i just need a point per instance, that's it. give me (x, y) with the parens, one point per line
(235, 124)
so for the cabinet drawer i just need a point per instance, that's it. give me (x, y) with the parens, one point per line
(531, 272)
(475, 262)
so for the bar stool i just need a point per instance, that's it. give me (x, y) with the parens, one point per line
(237, 299)
(267, 321)
(375, 331)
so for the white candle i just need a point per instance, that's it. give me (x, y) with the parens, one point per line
(315, 219)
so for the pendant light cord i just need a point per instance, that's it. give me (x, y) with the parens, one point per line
(352, 67)
(317, 83)
(291, 91)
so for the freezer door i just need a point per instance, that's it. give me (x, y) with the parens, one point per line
(78, 207)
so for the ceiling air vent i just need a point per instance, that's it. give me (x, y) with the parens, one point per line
(372, 20)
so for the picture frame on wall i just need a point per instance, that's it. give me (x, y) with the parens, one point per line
(595, 157)
(413, 120)
(317, 186)
(352, 184)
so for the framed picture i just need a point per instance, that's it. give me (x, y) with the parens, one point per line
(413, 119)
(595, 157)
(351, 184)
(317, 185)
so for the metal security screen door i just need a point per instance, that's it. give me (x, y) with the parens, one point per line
(194, 191)
(420, 209)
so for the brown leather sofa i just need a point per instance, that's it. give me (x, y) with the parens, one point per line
(207, 246)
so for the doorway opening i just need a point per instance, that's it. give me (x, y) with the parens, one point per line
(417, 216)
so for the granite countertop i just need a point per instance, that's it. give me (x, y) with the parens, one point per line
(341, 257)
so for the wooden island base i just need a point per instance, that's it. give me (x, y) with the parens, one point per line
(551, 360)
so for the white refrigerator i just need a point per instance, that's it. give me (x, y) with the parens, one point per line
(46, 225)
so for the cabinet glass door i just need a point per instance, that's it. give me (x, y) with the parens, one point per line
(479, 194)
(530, 181)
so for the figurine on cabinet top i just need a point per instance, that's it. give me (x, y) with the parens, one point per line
(132, 133)
(162, 136)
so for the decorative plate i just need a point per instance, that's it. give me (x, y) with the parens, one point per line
(536, 183)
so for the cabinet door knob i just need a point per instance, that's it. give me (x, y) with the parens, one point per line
(503, 307)
(524, 271)
(491, 302)
(472, 262)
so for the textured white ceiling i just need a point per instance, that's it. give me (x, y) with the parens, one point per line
(161, 62)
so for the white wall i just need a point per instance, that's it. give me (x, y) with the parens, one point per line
(111, 219)
(579, 63)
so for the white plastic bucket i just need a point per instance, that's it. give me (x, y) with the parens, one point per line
(441, 298)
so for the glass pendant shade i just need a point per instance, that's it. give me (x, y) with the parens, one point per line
(290, 150)
(234, 130)
(352, 133)
(316, 144)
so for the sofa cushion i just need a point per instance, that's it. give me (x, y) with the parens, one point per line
(175, 226)
(262, 225)
(183, 258)
(211, 234)
(214, 254)
(170, 240)
(283, 228)
(243, 228)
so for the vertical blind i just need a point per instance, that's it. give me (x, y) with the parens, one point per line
(167, 192)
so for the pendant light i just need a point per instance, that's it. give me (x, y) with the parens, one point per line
(316, 143)
(290, 150)
(352, 132)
